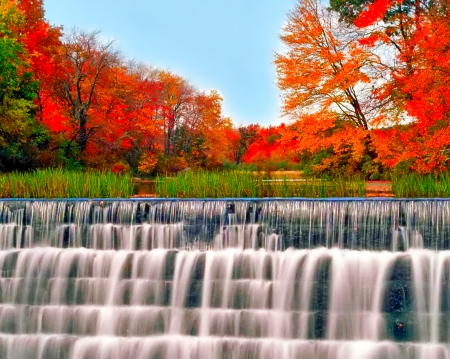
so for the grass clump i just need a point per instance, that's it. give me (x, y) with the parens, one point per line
(425, 186)
(215, 184)
(59, 183)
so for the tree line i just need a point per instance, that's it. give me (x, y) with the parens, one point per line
(364, 87)
(70, 99)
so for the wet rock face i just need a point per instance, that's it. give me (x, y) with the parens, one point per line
(214, 279)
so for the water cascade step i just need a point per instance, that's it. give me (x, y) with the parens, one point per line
(232, 278)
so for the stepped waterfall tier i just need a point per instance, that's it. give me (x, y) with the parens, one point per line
(238, 279)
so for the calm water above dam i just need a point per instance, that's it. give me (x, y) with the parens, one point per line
(269, 279)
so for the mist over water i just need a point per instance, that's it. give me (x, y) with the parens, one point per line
(281, 279)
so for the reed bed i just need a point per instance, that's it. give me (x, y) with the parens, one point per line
(423, 186)
(58, 183)
(280, 174)
(231, 184)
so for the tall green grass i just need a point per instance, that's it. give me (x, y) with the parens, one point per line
(58, 183)
(414, 185)
(215, 184)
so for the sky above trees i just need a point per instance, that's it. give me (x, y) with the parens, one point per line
(223, 45)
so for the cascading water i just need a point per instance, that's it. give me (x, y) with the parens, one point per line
(281, 279)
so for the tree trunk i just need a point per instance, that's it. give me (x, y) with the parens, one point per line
(82, 133)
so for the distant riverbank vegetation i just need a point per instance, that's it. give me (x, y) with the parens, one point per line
(364, 88)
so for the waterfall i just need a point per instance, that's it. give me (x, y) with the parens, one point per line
(238, 279)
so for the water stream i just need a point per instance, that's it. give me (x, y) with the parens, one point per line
(281, 279)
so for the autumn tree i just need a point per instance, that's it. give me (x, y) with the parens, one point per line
(175, 99)
(262, 149)
(247, 136)
(42, 43)
(141, 102)
(419, 31)
(192, 123)
(329, 81)
(210, 126)
(201, 138)
(125, 110)
(389, 12)
(391, 28)
(267, 151)
(20, 134)
(88, 63)
(325, 68)
(232, 150)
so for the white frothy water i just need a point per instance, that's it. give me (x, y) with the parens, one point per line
(221, 279)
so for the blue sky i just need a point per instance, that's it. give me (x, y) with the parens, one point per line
(227, 45)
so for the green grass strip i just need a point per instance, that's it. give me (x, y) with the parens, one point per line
(59, 183)
(244, 184)
(423, 186)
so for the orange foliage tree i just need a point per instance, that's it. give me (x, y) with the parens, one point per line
(324, 145)
(192, 124)
(268, 149)
(124, 113)
(176, 96)
(375, 94)
(421, 80)
(42, 43)
(88, 64)
(245, 136)
(329, 82)
(208, 126)
(102, 109)
(326, 68)
(200, 138)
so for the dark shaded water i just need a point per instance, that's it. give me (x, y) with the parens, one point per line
(225, 279)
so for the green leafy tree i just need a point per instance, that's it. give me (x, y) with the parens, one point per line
(20, 134)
